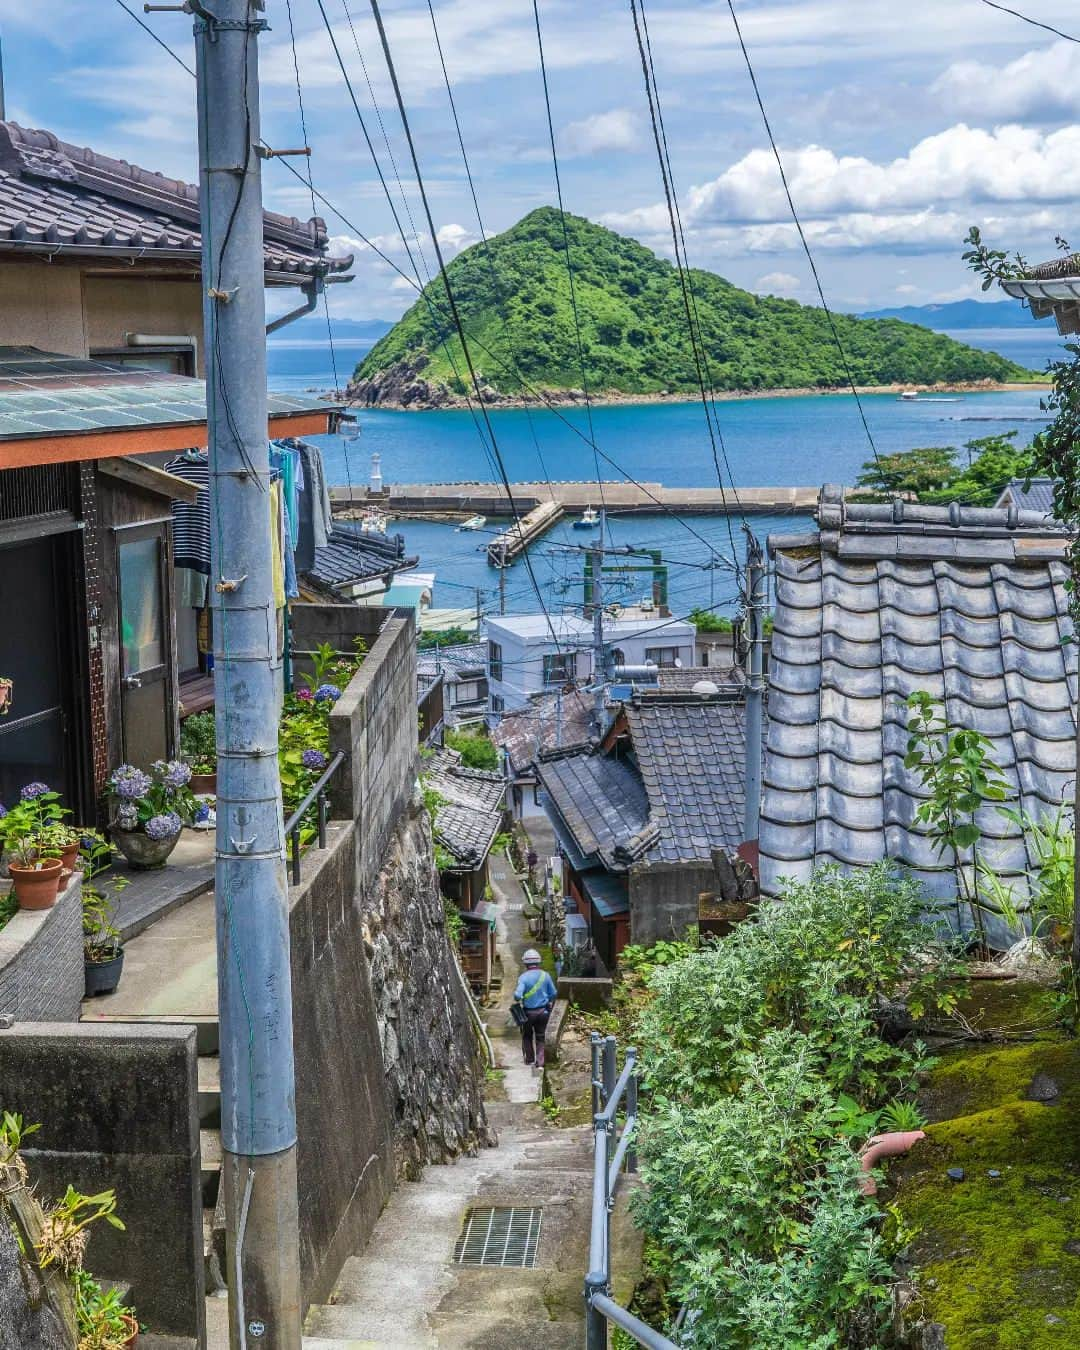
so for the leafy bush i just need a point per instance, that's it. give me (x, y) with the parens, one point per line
(198, 742)
(477, 751)
(767, 1073)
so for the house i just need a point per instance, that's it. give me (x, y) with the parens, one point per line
(468, 817)
(1035, 494)
(354, 565)
(463, 667)
(554, 724)
(532, 654)
(966, 603)
(100, 347)
(647, 821)
(1051, 288)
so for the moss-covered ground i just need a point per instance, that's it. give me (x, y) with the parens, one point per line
(997, 1254)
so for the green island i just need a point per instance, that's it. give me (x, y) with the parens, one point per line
(514, 298)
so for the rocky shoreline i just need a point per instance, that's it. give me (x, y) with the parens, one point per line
(403, 388)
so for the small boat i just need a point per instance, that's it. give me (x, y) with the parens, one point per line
(373, 521)
(908, 395)
(590, 518)
(473, 523)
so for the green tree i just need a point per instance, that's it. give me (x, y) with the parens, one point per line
(909, 473)
(477, 751)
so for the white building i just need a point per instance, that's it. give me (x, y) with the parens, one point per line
(529, 654)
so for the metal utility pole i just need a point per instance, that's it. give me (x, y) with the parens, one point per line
(755, 680)
(479, 611)
(502, 581)
(599, 655)
(258, 1117)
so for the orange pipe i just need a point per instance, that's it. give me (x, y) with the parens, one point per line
(890, 1145)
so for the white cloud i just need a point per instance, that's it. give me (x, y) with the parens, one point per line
(453, 238)
(1042, 84)
(906, 289)
(618, 129)
(778, 283)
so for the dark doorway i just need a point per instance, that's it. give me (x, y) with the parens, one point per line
(145, 655)
(39, 637)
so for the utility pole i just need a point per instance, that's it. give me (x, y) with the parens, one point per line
(755, 686)
(502, 580)
(479, 611)
(258, 1117)
(599, 656)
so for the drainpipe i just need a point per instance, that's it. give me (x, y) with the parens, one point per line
(312, 290)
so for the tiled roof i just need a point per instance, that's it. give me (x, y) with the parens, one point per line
(602, 803)
(57, 198)
(45, 394)
(467, 833)
(1034, 495)
(692, 757)
(964, 603)
(681, 679)
(553, 724)
(351, 556)
(453, 659)
(467, 787)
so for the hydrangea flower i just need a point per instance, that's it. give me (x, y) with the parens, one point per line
(3, 810)
(304, 695)
(202, 813)
(129, 782)
(313, 759)
(163, 827)
(176, 773)
(327, 693)
(32, 790)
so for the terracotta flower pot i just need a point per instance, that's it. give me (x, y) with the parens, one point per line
(36, 887)
(203, 783)
(69, 857)
(140, 850)
(133, 1339)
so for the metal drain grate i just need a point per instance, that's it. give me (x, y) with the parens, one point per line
(499, 1237)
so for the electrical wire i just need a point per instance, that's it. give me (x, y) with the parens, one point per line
(451, 298)
(1035, 23)
(160, 42)
(566, 252)
(802, 234)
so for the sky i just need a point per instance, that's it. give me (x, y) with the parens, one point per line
(899, 124)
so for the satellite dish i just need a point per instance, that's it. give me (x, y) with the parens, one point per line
(705, 688)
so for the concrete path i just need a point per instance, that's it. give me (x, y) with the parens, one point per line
(404, 1292)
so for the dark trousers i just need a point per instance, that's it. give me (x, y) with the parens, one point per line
(532, 1035)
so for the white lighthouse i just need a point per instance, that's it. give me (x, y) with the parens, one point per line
(375, 481)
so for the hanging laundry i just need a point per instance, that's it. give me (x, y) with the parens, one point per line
(314, 521)
(191, 521)
(277, 555)
(286, 459)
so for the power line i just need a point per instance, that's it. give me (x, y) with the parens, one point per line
(566, 251)
(682, 266)
(537, 393)
(450, 297)
(1035, 23)
(799, 228)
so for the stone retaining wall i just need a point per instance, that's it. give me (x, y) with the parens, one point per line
(41, 960)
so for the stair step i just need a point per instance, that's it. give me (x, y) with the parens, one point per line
(207, 1032)
(210, 1153)
(209, 1092)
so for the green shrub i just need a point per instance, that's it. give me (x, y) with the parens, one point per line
(475, 749)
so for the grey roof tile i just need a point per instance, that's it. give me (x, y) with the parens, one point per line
(974, 611)
(351, 556)
(602, 802)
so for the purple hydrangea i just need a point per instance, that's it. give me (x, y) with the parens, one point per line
(130, 783)
(176, 773)
(32, 790)
(327, 693)
(3, 810)
(304, 695)
(202, 813)
(313, 759)
(127, 816)
(162, 827)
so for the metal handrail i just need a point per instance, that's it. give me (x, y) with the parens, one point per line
(608, 1093)
(317, 793)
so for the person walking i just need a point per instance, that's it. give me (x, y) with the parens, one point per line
(536, 993)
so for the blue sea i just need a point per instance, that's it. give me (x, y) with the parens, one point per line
(767, 441)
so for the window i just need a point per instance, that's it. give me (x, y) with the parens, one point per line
(171, 359)
(469, 691)
(618, 656)
(666, 657)
(559, 669)
(495, 669)
(497, 703)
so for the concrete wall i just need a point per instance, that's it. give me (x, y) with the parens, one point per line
(41, 306)
(664, 898)
(41, 961)
(115, 306)
(118, 1108)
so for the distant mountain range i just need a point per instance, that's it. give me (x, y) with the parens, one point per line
(522, 319)
(312, 328)
(959, 314)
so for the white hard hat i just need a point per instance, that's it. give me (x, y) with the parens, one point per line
(532, 957)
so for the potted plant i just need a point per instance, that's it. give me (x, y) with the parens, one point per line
(103, 950)
(34, 868)
(150, 810)
(102, 1319)
(198, 749)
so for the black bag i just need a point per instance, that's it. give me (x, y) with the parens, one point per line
(518, 1013)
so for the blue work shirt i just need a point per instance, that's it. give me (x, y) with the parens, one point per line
(536, 989)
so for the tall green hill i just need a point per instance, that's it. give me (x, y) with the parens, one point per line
(518, 317)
